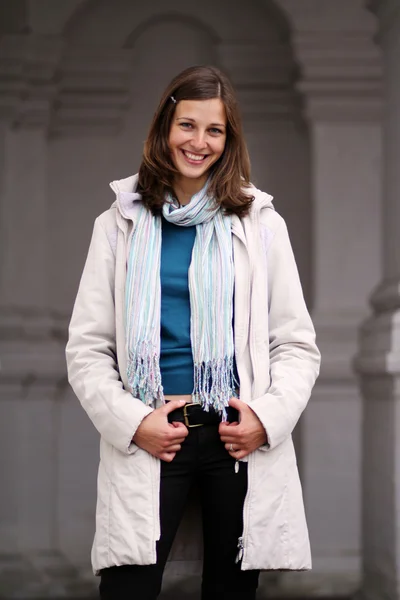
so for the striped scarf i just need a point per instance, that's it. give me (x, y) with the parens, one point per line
(211, 280)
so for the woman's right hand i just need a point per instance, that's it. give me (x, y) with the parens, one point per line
(159, 437)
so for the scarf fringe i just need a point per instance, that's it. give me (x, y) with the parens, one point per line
(215, 384)
(144, 376)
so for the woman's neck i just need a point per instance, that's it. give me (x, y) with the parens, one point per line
(184, 190)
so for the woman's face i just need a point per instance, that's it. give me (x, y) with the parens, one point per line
(197, 137)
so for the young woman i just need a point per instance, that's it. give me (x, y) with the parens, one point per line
(192, 351)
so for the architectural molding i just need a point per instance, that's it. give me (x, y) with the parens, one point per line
(30, 324)
(337, 340)
(386, 297)
(263, 78)
(379, 348)
(249, 64)
(74, 90)
(325, 15)
(269, 104)
(25, 364)
(340, 66)
(28, 65)
(172, 16)
(341, 75)
(86, 90)
(31, 349)
(93, 90)
(379, 343)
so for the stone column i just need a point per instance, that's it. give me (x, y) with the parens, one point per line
(46, 92)
(378, 361)
(32, 362)
(91, 110)
(340, 82)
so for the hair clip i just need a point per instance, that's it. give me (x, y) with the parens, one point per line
(173, 99)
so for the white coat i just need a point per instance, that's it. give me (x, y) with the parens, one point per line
(277, 362)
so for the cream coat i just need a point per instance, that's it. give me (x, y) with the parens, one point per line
(277, 362)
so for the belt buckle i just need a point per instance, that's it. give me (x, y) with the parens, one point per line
(186, 416)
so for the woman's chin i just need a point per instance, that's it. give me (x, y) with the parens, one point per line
(191, 173)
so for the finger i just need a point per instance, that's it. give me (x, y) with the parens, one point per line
(239, 454)
(225, 428)
(229, 439)
(238, 404)
(167, 456)
(224, 424)
(173, 448)
(178, 441)
(172, 405)
(231, 448)
(181, 426)
(175, 436)
(167, 443)
(175, 441)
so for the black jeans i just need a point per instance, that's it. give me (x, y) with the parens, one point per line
(204, 460)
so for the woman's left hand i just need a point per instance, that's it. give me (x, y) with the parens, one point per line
(242, 438)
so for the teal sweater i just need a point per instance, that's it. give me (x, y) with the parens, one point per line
(176, 360)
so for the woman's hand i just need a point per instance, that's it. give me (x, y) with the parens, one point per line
(242, 438)
(158, 437)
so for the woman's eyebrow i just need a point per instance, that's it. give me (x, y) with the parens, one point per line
(194, 120)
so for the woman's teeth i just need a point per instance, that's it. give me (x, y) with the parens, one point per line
(191, 156)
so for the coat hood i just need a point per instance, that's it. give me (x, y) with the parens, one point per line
(126, 196)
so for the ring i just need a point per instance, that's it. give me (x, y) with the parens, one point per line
(231, 448)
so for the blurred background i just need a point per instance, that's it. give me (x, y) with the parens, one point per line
(319, 87)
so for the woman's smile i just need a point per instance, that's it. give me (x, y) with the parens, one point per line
(194, 159)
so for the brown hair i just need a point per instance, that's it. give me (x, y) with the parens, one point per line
(229, 175)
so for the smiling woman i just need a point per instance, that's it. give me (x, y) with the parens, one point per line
(196, 141)
(193, 353)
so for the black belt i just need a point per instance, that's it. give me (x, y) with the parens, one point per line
(193, 415)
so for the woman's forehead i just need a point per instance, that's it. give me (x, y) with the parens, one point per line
(212, 110)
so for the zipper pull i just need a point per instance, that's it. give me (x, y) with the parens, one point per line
(240, 553)
(237, 466)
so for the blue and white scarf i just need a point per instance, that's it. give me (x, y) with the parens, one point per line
(211, 281)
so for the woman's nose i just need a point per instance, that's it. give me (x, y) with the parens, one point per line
(199, 140)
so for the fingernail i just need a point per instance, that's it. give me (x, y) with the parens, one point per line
(182, 401)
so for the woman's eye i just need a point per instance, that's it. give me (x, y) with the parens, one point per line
(186, 125)
(215, 130)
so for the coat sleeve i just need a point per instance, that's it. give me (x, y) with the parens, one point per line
(294, 356)
(91, 350)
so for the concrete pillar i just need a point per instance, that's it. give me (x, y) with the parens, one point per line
(32, 362)
(340, 82)
(378, 360)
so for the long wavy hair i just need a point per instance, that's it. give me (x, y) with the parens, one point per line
(229, 176)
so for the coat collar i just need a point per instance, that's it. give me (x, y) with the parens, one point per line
(127, 198)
